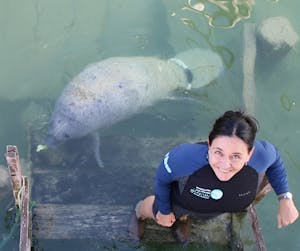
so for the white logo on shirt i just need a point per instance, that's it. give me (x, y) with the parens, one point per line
(203, 193)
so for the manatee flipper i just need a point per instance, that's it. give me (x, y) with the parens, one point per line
(96, 149)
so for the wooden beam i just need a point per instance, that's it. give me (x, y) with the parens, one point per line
(111, 222)
(263, 190)
(21, 192)
(25, 221)
(54, 221)
(256, 229)
(13, 162)
(249, 67)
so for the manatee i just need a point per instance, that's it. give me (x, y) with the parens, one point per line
(116, 88)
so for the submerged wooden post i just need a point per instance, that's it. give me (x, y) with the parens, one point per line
(264, 188)
(20, 186)
(249, 67)
(25, 222)
(260, 243)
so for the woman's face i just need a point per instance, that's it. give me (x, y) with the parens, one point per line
(227, 156)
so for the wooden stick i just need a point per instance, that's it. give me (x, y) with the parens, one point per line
(20, 185)
(25, 224)
(263, 190)
(256, 229)
(13, 162)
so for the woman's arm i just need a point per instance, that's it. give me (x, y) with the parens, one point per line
(277, 177)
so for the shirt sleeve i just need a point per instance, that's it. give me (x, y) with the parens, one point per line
(276, 171)
(181, 161)
(163, 182)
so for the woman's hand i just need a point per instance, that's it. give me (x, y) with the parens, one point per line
(287, 213)
(165, 220)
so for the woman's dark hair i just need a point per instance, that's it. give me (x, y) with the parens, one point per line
(235, 123)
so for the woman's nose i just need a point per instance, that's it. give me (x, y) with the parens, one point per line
(226, 163)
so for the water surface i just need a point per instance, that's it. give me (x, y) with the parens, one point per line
(43, 44)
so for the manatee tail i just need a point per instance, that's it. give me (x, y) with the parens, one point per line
(201, 66)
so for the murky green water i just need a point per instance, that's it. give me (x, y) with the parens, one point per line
(43, 44)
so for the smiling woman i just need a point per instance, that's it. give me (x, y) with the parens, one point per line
(222, 175)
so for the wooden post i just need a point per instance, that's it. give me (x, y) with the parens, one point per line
(20, 185)
(249, 67)
(14, 166)
(264, 188)
(256, 229)
(25, 222)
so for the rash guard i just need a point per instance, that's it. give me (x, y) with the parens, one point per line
(185, 178)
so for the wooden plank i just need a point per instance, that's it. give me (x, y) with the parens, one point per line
(256, 229)
(111, 222)
(25, 221)
(263, 190)
(80, 221)
(21, 192)
(249, 67)
(13, 162)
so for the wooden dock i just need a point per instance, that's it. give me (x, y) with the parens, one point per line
(76, 199)
(21, 192)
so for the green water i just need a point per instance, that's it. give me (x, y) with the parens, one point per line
(43, 44)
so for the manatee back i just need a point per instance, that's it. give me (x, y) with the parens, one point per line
(109, 91)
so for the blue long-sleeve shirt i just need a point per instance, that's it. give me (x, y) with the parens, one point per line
(186, 159)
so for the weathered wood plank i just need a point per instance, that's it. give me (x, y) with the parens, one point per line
(21, 192)
(54, 221)
(249, 67)
(81, 221)
(25, 221)
(256, 229)
(13, 162)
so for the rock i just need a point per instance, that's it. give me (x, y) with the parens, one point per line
(276, 36)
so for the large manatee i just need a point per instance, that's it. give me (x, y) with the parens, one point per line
(118, 87)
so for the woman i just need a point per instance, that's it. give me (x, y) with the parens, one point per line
(221, 175)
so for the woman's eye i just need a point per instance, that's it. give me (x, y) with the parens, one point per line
(219, 153)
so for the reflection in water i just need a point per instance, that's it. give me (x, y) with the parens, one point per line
(224, 52)
(128, 32)
(222, 14)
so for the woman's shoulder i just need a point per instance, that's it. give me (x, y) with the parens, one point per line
(188, 155)
(264, 146)
(190, 149)
(264, 153)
